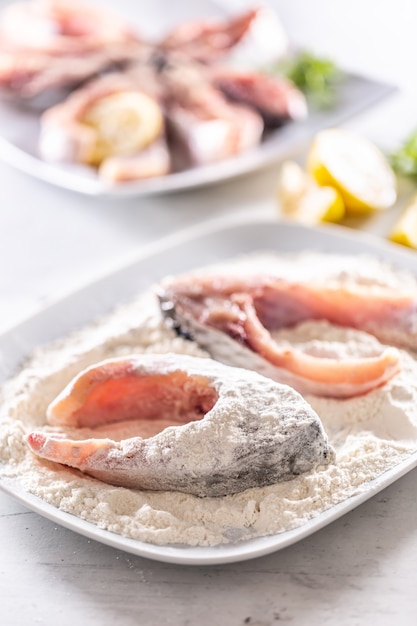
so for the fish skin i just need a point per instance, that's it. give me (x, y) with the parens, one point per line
(271, 433)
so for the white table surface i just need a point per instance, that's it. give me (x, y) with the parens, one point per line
(360, 569)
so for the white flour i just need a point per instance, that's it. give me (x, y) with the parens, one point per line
(371, 434)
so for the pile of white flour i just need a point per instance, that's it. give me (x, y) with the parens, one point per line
(370, 433)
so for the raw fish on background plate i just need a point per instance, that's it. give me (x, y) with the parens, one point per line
(180, 106)
(111, 124)
(49, 44)
(233, 119)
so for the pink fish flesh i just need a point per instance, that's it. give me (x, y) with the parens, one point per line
(207, 41)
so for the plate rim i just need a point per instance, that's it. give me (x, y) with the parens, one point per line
(234, 552)
(208, 227)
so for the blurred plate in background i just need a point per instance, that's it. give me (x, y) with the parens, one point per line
(19, 127)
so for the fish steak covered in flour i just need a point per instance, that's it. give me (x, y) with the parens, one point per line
(236, 314)
(200, 427)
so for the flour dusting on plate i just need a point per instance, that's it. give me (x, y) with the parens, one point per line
(370, 433)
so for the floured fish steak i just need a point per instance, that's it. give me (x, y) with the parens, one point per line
(235, 313)
(199, 426)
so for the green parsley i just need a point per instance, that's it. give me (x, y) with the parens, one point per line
(404, 160)
(316, 77)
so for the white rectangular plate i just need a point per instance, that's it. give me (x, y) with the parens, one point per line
(19, 127)
(208, 243)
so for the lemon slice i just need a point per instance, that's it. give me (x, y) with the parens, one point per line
(355, 167)
(405, 230)
(303, 200)
(124, 123)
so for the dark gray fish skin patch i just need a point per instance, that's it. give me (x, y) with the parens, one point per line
(256, 462)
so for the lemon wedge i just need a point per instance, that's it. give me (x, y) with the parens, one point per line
(124, 123)
(405, 229)
(303, 200)
(355, 167)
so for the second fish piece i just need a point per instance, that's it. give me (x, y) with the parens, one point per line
(234, 316)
